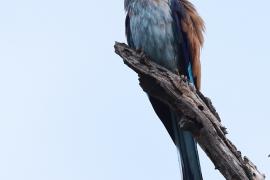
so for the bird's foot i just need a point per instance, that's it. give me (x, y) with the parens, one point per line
(191, 85)
(184, 78)
(177, 72)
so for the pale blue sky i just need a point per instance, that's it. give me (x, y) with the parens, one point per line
(71, 110)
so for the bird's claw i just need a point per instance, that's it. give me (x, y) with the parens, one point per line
(177, 73)
(184, 78)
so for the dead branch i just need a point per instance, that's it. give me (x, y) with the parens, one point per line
(201, 117)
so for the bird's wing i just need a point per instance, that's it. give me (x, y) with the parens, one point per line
(128, 33)
(189, 31)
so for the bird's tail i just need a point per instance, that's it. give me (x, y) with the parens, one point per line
(186, 145)
(187, 151)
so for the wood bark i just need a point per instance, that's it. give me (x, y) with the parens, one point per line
(201, 118)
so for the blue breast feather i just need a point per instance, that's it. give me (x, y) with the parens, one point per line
(154, 27)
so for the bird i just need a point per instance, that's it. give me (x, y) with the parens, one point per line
(171, 33)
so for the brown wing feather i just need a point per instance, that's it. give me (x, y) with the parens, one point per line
(193, 26)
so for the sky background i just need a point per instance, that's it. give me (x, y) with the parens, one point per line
(71, 110)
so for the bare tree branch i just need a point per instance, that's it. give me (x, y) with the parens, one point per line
(201, 117)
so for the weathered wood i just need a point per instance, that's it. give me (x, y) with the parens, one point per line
(201, 117)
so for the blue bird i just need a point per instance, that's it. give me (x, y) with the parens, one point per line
(170, 32)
